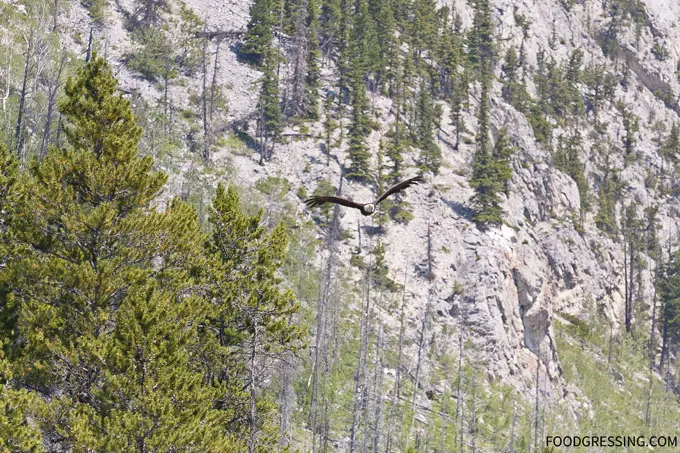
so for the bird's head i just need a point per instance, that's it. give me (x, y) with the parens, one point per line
(370, 208)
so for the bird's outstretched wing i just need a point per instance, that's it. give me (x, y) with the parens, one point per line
(399, 187)
(317, 201)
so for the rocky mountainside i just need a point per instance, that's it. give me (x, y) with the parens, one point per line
(526, 302)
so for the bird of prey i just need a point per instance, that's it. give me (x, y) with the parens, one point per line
(366, 209)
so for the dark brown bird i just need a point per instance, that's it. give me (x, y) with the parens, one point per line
(366, 209)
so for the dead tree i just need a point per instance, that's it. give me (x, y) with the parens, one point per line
(18, 134)
(514, 422)
(378, 390)
(294, 105)
(652, 340)
(204, 100)
(459, 387)
(319, 344)
(8, 79)
(359, 376)
(53, 86)
(253, 395)
(421, 347)
(397, 378)
(536, 410)
(474, 415)
(213, 87)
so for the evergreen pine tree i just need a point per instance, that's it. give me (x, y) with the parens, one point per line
(430, 154)
(670, 148)
(312, 79)
(609, 193)
(269, 108)
(480, 38)
(359, 128)
(257, 42)
(16, 433)
(491, 167)
(94, 330)
(249, 310)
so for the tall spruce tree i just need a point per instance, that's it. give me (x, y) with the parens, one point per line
(480, 38)
(491, 167)
(359, 128)
(257, 42)
(249, 312)
(269, 108)
(430, 154)
(313, 76)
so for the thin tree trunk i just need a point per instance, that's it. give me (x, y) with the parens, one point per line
(51, 98)
(626, 286)
(18, 135)
(444, 417)
(166, 77)
(652, 345)
(204, 99)
(360, 371)
(611, 339)
(538, 368)
(9, 79)
(514, 423)
(88, 54)
(213, 85)
(462, 422)
(631, 291)
(459, 395)
(474, 415)
(253, 401)
(397, 383)
(378, 390)
(320, 325)
(54, 15)
(421, 346)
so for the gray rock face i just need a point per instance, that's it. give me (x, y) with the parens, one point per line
(502, 286)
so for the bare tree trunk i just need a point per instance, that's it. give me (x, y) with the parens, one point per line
(462, 421)
(253, 400)
(54, 15)
(53, 87)
(18, 135)
(397, 378)
(538, 368)
(421, 347)
(652, 344)
(295, 102)
(378, 390)
(631, 290)
(359, 375)
(611, 339)
(59, 127)
(8, 82)
(474, 415)
(444, 417)
(213, 84)
(166, 77)
(514, 422)
(88, 55)
(204, 99)
(459, 394)
(321, 323)
(332, 339)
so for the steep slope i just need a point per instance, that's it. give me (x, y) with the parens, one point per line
(520, 295)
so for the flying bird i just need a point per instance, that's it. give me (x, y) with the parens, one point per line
(366, 209)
